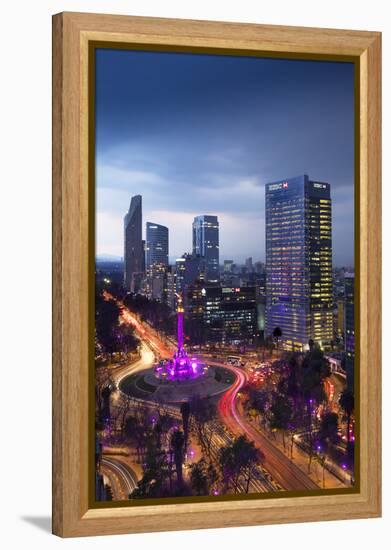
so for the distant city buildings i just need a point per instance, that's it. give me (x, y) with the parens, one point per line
(206, 245)
(249, 265)
(228, 266)
(299, 297)
(134, 259)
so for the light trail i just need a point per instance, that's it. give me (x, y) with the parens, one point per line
(142, 329)
(125, 476)
(283, 471)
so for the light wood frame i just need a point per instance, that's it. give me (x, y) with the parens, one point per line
(71, 35)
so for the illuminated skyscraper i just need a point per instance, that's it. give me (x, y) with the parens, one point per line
(133, 246)
(299, 262)
(349, 328)
(206, 245)
(156, 245)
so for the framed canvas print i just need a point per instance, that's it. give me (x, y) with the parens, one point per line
(216, 240)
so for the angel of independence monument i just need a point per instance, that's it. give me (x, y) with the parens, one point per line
(180, 367)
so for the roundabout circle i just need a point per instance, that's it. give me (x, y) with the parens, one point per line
(146, 385)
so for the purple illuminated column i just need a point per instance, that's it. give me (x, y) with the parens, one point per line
(180, 323)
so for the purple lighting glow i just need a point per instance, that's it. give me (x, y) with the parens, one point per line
(180, 367)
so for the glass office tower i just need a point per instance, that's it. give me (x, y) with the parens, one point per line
(156, 245)
(134, 258)
(206, 245)
(299, 262)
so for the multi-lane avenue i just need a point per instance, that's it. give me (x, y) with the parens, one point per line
(282, 470)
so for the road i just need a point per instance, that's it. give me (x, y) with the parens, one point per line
(143, 330)
(146, 361)
(120, 475)
(282, 470)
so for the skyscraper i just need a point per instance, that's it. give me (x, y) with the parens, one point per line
(299, 261)
(206, 245)
(134, 261)
(221, 314)
(188, 268)
(156, 245)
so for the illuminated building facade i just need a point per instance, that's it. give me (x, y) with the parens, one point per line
(222, 314)
(238, 312)
(299, 293)
(349, 328)
(155, 282)
(170, 287)
(156, 251)
(206, 245)
(134, 259)
(340, 317)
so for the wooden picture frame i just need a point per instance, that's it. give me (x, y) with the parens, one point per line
(72, 266)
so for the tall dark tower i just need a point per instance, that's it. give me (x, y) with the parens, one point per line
(299, 296)
(133, 245)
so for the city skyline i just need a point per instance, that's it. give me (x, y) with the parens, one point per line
(212, 378)
(192, 249)
(192, 148)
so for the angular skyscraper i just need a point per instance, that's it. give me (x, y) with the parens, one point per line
(299, 262)
(206, 245)
(156, 245)
(134, 261)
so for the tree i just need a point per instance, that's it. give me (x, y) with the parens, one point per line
(328, 430)
(198, 478)
(315, 368)
(123, 411)
(277, 333)
(203, 414)
(177, 442)
(106, 321)
(185, 412)
(163, 425)
(280, 415)
(126, 341)
(102, 380)
(238, 461)
(105, 412)
(138, 432)
(155, 475)
(346, 402)
(327, 436)
(202, 477)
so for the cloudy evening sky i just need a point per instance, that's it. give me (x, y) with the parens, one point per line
(202, 134)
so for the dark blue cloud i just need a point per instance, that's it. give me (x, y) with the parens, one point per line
(202, 133)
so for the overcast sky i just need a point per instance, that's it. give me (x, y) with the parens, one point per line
(202, 134)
